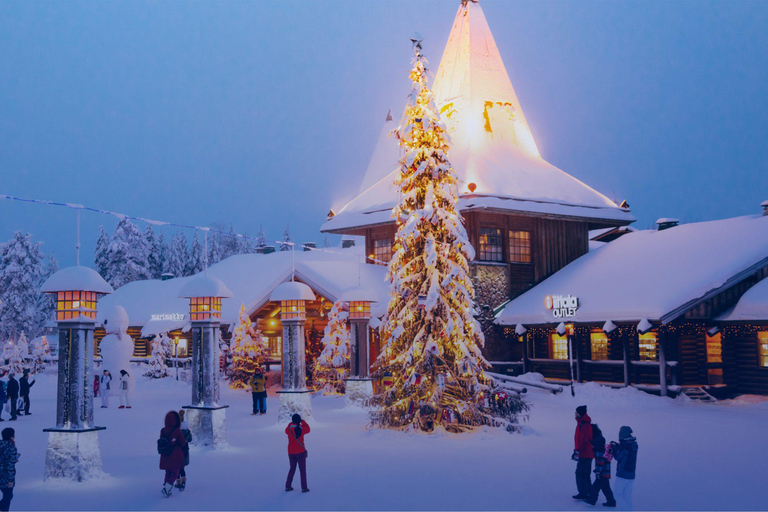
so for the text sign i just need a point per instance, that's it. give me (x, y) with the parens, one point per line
(562, 306)
(176, 317)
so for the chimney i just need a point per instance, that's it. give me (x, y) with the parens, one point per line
(166, 276)
(308, 246)
(346, 244)
(666, 223)
(764, 204)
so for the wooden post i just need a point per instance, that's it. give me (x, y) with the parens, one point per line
(662, 365)
(625, 346)
(578, 358)
(525, 352)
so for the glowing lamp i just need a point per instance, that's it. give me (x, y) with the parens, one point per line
(76, 289)
(205, 294)
(293, 297)
(359, 300)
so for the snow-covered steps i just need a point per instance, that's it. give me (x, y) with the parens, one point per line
(698, 393)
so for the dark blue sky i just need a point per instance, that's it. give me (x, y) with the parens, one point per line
(267, 112)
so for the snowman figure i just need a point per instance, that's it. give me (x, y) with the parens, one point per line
(116, 350)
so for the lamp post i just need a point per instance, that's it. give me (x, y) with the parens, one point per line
(294, 397)
(207, 418)
(176, 355)
(73, 444)
(359, 386)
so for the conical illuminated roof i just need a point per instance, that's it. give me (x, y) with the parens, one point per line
(492, 150)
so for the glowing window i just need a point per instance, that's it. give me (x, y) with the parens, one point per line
(762, 342)
(361, 309)
(204, 308)
(519, 246)
(491, 245)
(382, 250)
(293, 309)
(71, 305)
(599, 343)
(649, 346)
(714, 348)
(558, 346)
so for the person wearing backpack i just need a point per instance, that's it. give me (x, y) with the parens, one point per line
(125, 399)
(297, 452)
(170, 446)
(582, 452)
(625, 453)
(602, 471)
(9, 456)
(181, 483)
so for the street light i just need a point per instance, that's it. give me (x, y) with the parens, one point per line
(176, 355)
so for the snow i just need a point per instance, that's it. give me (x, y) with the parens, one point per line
(204, 286)
(688, 452)
(650, 274)
(753, 305)
(358, 294)
(492, 145)
(292, 290)
(76, 278)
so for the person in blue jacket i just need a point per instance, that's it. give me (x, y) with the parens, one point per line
(625, 453)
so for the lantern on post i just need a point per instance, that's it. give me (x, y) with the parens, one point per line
(359, 387)
(294, 397)
(73, 444)
(206, 417)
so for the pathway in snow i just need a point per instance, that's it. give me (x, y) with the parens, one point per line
(692, 456)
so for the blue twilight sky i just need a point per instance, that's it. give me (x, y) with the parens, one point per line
(267, 112)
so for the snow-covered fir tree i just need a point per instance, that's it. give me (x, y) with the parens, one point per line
(41, 351)
(431, 340)
(46, 302)
(161, 350)
(21, 271)
(230, 244)
(215, 241)
(128, 255)
(178, 256)
(13, 361)
(325, 242)
(248, 351)
(157, 252)
(313, 345)
(245, 245)
(285, 244)
(196, 261)
(101, 255)
(261, 241)
(333, 365)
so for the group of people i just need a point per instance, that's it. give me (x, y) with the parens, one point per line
(14, 395)
(173, 447)
(589, 445)
(102, 385)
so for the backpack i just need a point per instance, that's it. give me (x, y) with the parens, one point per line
(598, 441)
(164, 445)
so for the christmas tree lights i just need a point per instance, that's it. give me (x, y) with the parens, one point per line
(161, 350)
(332, 366)
(248, 351)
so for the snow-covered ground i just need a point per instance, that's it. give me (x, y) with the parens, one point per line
(692, 457)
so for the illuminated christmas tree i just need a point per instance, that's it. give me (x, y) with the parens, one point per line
(12, 358)
(332, 365)
(312, 348)
(40, 354)
(161, 350)
(431, 340)
(248, 351)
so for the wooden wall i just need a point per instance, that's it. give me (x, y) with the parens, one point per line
(741, 367)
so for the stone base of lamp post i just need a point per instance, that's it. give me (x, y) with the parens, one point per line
(208, 425)
(73, 454)
(294, 402)
(359, 391)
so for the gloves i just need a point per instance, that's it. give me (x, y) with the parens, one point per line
(575, 455)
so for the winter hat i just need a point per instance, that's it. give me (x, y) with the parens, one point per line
(624, 432)
(581, 410)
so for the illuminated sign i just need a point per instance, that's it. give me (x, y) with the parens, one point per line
(176, 317)
(562, 306)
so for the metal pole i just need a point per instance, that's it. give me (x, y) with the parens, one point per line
(77, 245)
(570, 357)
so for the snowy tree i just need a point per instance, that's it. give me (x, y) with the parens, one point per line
(157, 252)
(245, 246)
(215, 248)
(325, 242)
(261, 241)
(101, 255)
(431, 340)
(21, 270)
(230, 244)
(248, 351)
(161, 350)
(333, 365)
(12, 356)
(46, 302)
(41, 351)
(178, 256)
(196, 262)
(128, 255)
(285, 244)
(313, 345)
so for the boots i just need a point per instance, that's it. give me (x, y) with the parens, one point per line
(167, 490)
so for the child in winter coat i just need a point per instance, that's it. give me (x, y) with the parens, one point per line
(9, 456)
(181, 483)
(297, 452)
(104, 386)
(625, 453)
(602, 471)
(173, 461)
(95, 386)
(125, 399)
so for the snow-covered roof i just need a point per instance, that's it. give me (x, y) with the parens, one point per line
(656, 275)
(205, 286)
(292, 290)
(753, 305)
(155, 304)
(492, 145)
(77, 278)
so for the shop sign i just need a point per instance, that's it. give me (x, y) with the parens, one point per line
(175, 317)
(562, 306)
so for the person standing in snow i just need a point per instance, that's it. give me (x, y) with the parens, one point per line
(181, 483)
(104, 386)
(582, 452)
(9, 456)
(297, 452)
(125, 399)
(172, 453)
(95, 386)
(13, 395)
(24, 388)
(602, 470)
(258, 383)
(625, 453)
(3, 398)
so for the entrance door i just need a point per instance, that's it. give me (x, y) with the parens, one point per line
(714, 359)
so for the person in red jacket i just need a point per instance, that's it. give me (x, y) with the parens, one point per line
(174, 461)
(297, 452)
(582, 452)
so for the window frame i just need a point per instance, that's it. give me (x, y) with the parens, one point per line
(555, 338)
(602, 336)
(762, 354)
(511, 255)
(483, 248)
(385, 249)
(641, 353)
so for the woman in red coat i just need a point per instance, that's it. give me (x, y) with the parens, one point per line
(297, 452)
(174, 461)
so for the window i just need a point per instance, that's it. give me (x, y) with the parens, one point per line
(599, 342)
(71, 305)
(762, 341)
(714, 348)
(559, 346)
(204, 308)
(491, 245)
(293, 310)
(275, 346)
(519, 246)
(382, 250)
(649, 346)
